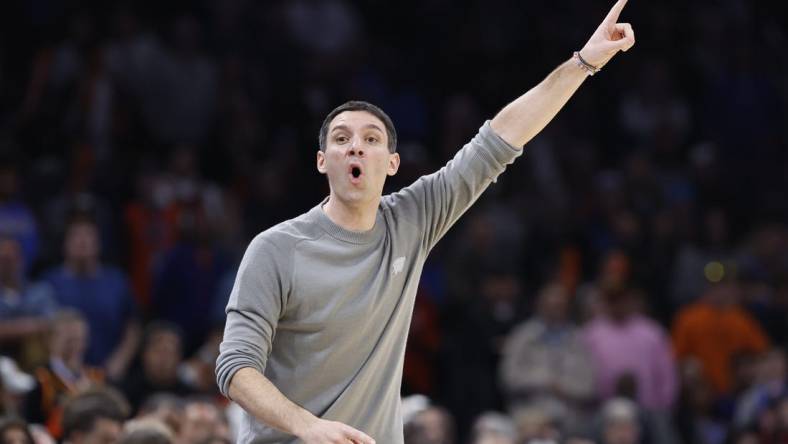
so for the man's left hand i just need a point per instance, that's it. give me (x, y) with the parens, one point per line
(609, 38)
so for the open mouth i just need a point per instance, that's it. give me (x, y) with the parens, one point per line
(355, 172)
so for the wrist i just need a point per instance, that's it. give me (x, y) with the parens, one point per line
(583, 63)
(305, 423)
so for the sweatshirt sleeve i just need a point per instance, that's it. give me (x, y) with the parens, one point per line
(434, 202)
(256, 303)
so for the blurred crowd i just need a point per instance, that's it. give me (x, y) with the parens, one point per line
(625, 282)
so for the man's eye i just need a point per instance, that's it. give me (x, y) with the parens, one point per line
(372, 139)
(341, 139)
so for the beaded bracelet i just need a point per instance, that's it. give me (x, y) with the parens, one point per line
(589, 68)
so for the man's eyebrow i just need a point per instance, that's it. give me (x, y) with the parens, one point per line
(373, 126)
(345, 127)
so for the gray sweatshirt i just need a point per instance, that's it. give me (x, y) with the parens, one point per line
(324, 312)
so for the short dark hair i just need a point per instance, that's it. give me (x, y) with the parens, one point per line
(81, 412)
(14, 423)
(158, 327)
(81, 218)
(359, 105)
(146, 431)
(160, 400)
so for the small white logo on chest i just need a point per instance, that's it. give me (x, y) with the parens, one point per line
(398, 265)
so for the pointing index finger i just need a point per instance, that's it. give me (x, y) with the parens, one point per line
(615, 11)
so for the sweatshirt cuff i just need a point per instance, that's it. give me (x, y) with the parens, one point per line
(501, 150)
(226, 371)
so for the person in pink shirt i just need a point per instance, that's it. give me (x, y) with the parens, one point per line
(631, 353)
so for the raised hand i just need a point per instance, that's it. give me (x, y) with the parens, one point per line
(332, 432)
(609, 38)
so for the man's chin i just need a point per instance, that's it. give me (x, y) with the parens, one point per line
(358, 198)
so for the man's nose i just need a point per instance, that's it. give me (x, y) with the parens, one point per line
(356, 148)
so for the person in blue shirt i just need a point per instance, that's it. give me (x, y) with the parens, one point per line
(16, 219)
(25, 307)
(103, 295)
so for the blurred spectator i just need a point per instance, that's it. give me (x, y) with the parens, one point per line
(433, 425)
(654, 111)
(763, 260)
(477, 254)
(745, 370)
(268, 201)
(764, 254)
(160, 356)
(772, 422)
(631, 353)
(545, 364)
(65, 374)
(535, 425)
(324, 28)
(697, 419)
(782, 420)
(102, 294)
(163, 407)
(41, 435)
(14, 431)
(189, 273)
(614, 273)
(716, 329)
(151, 220)
(424, 339)
(24, 307)
(744, 437)
(493, 428)
(16, 220)
(621, 423)
(94, 417)
(14, 385)
(482, 325)
(76, 199)
(771, 383)
(713, 242)
(202, 421)
(174, 86)
(197, 372)
(146, 431)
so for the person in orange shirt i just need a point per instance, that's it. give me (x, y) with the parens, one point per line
(66, 373)
(715, 329)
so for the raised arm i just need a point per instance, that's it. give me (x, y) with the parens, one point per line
(519, 121)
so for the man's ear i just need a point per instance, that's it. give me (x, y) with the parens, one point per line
(321, 162)
(393, 164)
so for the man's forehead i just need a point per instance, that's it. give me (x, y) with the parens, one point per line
(359, 119)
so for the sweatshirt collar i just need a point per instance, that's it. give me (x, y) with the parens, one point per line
(343, 234)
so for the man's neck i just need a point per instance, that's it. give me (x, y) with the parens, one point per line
(354, 218)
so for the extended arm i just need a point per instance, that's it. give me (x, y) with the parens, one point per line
(522, 119)
(260, 398)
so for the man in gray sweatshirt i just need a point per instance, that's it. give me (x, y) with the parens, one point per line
(319, 314)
